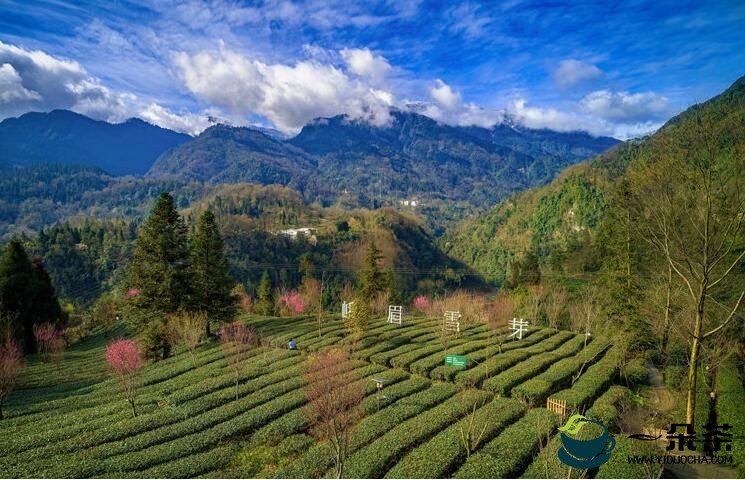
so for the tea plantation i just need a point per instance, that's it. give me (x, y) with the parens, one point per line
(72, 421)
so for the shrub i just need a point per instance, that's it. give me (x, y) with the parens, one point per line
(559, 374)
(731, 409)
(439, 455)
(502, 384)
(11, 365)
(513, 449)
(373, 460)
(619, 467)
(593, 381)
(605, 408)
(315, 463)
(636, 372)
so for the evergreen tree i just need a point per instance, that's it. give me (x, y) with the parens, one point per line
(159, 272)
(265, 294)
(27, 296)
(44, 304)
(212, 285)
(16, 289)
(530, 271)
(372, 280)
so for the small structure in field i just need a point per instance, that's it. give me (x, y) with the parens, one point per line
(518, 327)
(346, 309)
(452, 321)
(557, 406)
(395, 314)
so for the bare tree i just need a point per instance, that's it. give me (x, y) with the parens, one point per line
(470, 437)
(187, 329)
(690, 196)
(11, 365)
(586, 311)
(555, 304)
(334, 403)
(237, 340)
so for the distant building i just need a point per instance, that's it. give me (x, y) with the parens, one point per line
(294, 232)
(409, 203)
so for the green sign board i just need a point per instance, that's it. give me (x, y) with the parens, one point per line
(456, 360)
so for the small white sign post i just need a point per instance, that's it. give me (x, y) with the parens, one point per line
(395, 314)
(518, 327)
(346, 309)
(452, 321)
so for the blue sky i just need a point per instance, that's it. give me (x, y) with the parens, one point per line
(613, 68)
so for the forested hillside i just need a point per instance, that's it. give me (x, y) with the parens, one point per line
(68, 138)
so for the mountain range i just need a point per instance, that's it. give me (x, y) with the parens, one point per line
(68, 138)
(414, 156)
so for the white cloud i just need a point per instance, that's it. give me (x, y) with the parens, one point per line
(448, 107)
(288, 95)
(626, 107)
(444, 95)
(11, 86)
(185, 122)
(34, 80)
(570, 121)
(364, 63)
(573, 72)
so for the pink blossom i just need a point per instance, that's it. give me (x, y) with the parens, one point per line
(45, 333)
(294, 301)
(133, 292)
(124, 357)
(421, 302)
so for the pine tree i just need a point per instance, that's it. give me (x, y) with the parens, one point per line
(44, 304)
(265, 294)
(372, 280)
(159, 271)
(16, 289)
(212, 285)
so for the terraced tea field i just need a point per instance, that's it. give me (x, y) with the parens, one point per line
(73, 422)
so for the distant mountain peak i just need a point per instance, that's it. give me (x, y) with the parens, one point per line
(69, 138)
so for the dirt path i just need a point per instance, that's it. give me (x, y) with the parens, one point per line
(660, 396)
(663, 401)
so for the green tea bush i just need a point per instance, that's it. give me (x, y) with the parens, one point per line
(317, 460)
(376, 458)
(605, 408)
(449, 373)
(593, 382)
(513, 449)
(437, 457)
(636, 372)
(502, 384)
(558, 375)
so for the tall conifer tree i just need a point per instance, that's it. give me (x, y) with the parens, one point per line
(158, 276)
(211, 282)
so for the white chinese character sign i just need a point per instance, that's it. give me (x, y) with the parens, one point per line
(452, 321)
(518, 327)
(346, 309)
(395, 314)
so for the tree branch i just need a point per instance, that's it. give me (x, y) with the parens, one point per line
(729, 317)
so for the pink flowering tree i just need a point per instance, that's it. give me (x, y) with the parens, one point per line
(236, 340)
(125, 360)
(294, 302)
(47, 339)
(11, 365)
(421, 303)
